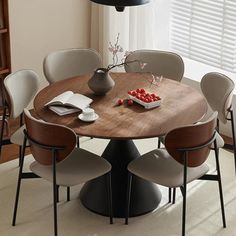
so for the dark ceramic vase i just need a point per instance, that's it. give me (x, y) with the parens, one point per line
(101, 82)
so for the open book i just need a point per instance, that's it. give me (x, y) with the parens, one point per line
(68, 102)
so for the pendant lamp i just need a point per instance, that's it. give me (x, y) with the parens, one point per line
(121, 4)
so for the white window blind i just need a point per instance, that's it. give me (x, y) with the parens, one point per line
(205, 31)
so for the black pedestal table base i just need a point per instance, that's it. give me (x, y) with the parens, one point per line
(145, 196)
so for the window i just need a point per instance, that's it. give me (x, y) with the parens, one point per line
(205, 31)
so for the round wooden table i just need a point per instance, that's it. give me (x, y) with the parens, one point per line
(181, 105)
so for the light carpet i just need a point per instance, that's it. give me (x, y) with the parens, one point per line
(35, 212)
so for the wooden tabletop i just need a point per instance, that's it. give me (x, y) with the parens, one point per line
(181, 105)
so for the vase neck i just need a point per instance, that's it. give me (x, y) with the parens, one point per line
(101, 70)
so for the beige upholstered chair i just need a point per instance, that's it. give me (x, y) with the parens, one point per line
(58, 161)
(183, 161)
(69, 63)
(160, 63)
(219, 144)
(218, 90)
(20, 88)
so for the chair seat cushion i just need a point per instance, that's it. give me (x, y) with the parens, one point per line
(80, 166)
(159, 167)
(219, 140)
(18, 136)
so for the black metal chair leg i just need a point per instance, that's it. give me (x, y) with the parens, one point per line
(184, 194)
(17, 195)
(129, 185)
(159, 143)
(218, 125)
(20, 147)
(58, 193)
(220, 186)
(109, 195)
(2, 128)
(68, 194)
(170, 193)
(20, 155)
(78, 143)
(184, 212)
(19, 184)
(174, 195)
(55, 197)
(233, 134)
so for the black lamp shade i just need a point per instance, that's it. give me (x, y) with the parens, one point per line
(121, 4)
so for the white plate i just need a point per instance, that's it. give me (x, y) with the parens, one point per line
(81, 117)
(146, 105)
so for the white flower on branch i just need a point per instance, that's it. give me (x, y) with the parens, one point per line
(115, 49)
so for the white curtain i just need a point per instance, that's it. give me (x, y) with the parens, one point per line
(136, 26)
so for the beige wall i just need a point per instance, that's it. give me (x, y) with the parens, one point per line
(38, 27)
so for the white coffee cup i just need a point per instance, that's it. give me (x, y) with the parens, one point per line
(88, 113)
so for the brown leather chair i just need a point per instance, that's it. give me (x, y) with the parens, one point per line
(59, 161)
(183, 160)
(159, 63)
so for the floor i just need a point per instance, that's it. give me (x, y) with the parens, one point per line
(35, 209)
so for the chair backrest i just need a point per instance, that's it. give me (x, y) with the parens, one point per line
(218, 90)
(21, 87)
(51, 135)
(69, 63)
(189, 137)
(160, 63)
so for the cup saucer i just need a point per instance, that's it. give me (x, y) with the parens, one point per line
(82, 117)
